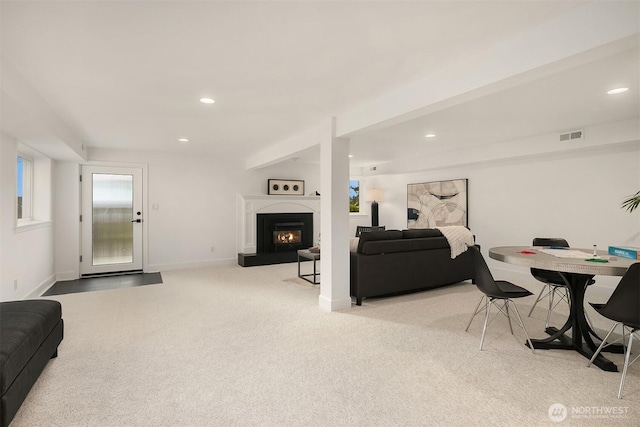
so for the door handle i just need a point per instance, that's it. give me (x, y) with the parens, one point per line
(136, 220)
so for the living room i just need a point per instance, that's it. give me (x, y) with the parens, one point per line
(206, 234)
(526, 185)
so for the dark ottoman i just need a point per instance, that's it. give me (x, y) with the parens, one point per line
(30, 332)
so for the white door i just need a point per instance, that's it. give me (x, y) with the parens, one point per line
(111, 220)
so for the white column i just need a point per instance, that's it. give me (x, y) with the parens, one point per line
(334, 202)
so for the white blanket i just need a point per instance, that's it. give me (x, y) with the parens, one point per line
(459, 238)
(353, 244)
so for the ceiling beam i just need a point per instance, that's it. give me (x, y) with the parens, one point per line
(287, 148)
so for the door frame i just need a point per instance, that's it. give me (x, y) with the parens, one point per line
(145, 207)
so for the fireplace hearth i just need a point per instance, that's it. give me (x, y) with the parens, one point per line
(290, 209)
(278, 238)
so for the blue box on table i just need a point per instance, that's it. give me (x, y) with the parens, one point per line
(625, 252)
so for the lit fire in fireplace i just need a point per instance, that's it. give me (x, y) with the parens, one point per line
(287, 237)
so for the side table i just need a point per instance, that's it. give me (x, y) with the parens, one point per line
(315, 256)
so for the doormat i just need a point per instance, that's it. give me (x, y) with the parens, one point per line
(103, 283)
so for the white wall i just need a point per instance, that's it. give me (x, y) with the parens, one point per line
(196, 198)
(573, 195)
(27, 256)
(66, 209)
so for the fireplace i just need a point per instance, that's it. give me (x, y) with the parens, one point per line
(284, 232)
(257, 219)
(287, 235)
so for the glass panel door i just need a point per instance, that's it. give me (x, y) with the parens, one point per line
(111, 220)
(112, 214)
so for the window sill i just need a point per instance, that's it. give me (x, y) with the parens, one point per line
(27, 225)
(357, 214)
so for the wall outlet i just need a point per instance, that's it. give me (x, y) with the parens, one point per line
(15, 285)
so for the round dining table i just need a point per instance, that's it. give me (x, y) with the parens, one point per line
(577, 272)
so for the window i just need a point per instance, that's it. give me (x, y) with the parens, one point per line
(25, 188)
(33, 189)
(354, 196)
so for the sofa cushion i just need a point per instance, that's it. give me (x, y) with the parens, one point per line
(421, 232)
(24, 325)
(404, 245)
(377, 236)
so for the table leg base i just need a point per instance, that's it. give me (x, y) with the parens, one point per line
(561, 343)
(600, 361)
(565, 343)
(614, 348)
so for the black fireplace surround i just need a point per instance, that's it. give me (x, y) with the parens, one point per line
(269, 226)
(278, 238)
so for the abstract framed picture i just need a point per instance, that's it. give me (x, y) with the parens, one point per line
(437, 204)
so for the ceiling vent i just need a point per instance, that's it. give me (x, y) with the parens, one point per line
(570, 136)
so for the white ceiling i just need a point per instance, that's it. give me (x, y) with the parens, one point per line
(128, 74)
(564, 101)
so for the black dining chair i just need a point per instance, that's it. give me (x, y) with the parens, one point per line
(554, 283)
(623, 307)
(494, 291)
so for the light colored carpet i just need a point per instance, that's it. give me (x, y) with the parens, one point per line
(232, 346)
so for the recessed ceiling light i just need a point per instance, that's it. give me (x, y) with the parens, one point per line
(430, 135)
(617, 90)
(183, 140)
(207, 100)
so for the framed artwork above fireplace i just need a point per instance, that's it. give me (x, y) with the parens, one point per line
(292, 187)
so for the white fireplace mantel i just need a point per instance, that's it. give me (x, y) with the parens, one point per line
(249, 206)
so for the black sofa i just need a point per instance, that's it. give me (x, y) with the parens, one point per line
(395, 262)
(30, 332)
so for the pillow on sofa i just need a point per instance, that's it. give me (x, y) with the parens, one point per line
(421, 232)
(378, 235)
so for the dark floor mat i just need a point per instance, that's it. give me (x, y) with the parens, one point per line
(103, 283)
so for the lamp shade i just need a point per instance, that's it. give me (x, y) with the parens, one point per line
(375, 195)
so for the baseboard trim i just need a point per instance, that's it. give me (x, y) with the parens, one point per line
(67, 275)
(327, 304)
(42, 288)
